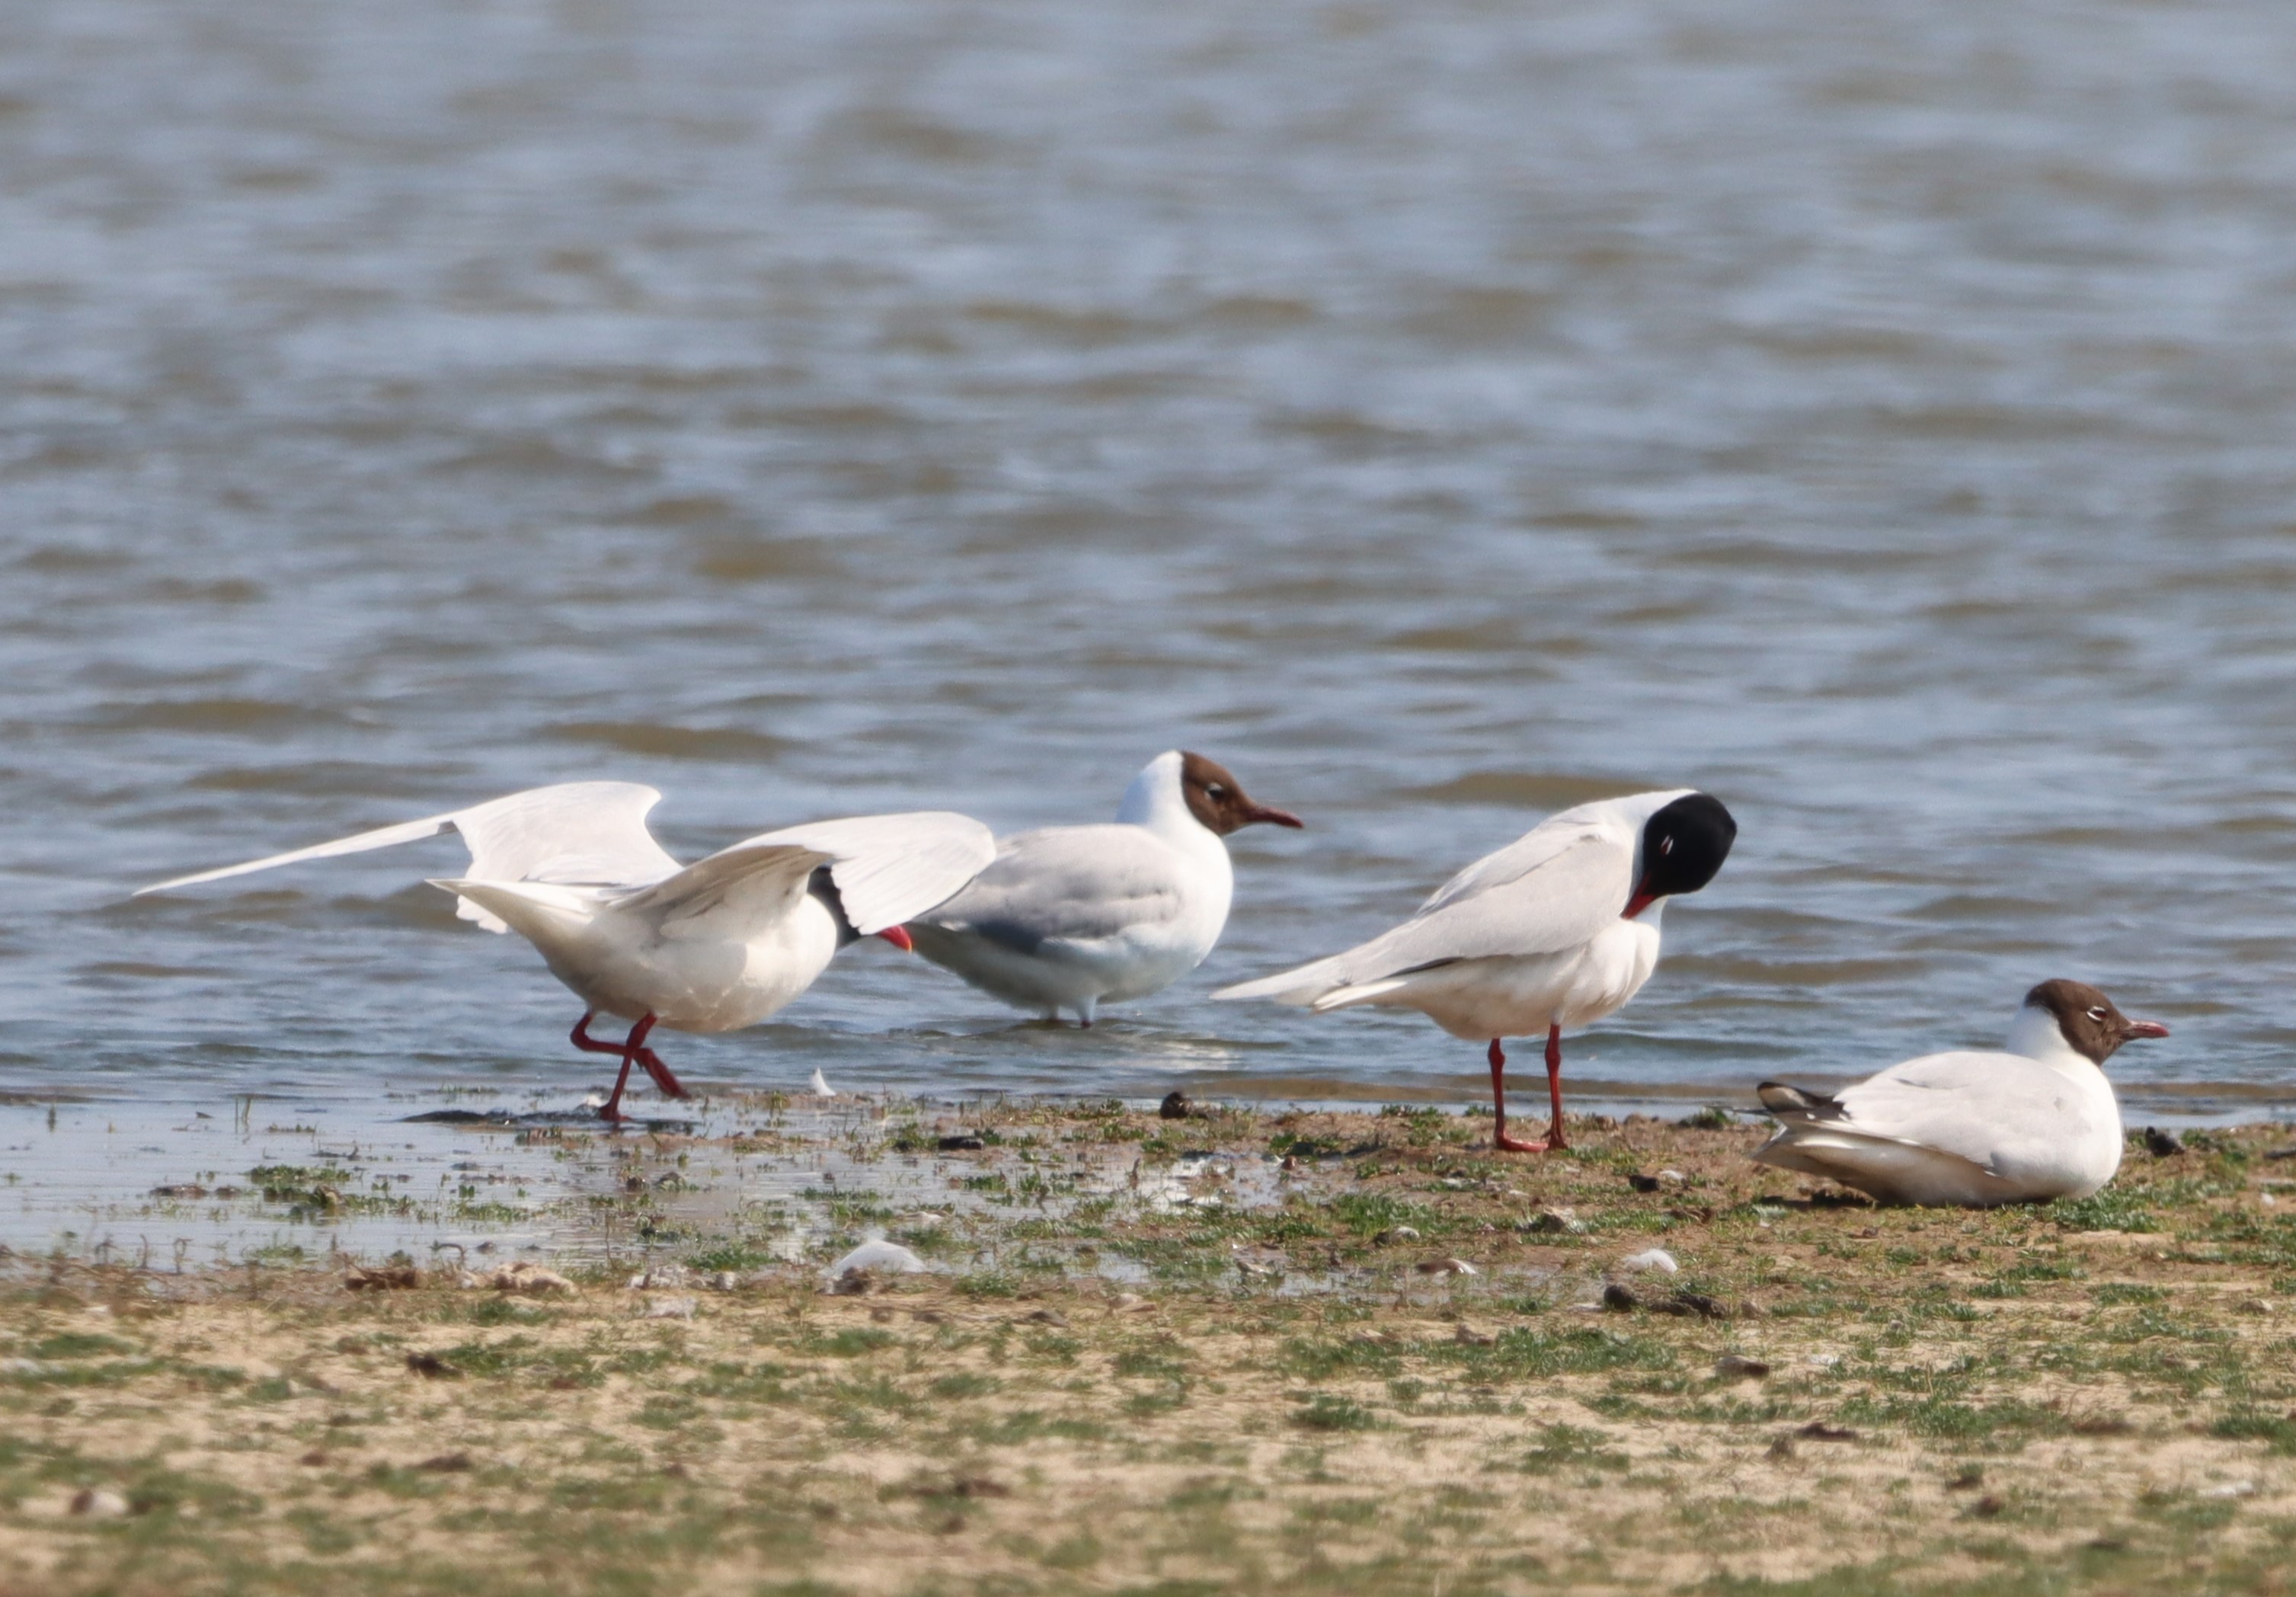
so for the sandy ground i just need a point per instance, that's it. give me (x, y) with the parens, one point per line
(1282, 1354)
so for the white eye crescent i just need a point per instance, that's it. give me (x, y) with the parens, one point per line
(1666, 846)
(2095, 1012)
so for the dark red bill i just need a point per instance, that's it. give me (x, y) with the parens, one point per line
(898, 936)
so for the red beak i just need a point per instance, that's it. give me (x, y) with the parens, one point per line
(898, 936)
(1273, 817)
(2142, 1028)
(1639, 901)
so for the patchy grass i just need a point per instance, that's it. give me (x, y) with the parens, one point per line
(1279, 1381)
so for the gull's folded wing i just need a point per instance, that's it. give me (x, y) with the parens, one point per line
(1560, 898)
(1067, 886)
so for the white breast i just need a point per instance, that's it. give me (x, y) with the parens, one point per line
(618, 963)
(1522, 995)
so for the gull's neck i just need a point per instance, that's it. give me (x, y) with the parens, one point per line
(1154, 802)
(2034, 1033)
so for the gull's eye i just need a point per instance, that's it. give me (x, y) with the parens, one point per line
(1214, 790)
(2096, 1011)
(1666, 846)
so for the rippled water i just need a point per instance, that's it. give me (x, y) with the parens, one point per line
(1441, 412)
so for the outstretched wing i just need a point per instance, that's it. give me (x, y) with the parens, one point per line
(1540, 901)
(576, 834)
(887, 868)
(730, 894)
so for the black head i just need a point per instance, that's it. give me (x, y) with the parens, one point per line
(2090, 1023)
(1218, 801)
(1684, 845)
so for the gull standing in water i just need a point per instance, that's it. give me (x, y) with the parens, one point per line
(1071, 916)
(1973, 1130)
(1556, 930)
(713, 946)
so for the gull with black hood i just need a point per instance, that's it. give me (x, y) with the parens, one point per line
(1553, 932)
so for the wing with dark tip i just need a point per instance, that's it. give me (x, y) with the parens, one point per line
(1794, 1103)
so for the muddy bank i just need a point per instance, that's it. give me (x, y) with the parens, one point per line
(1283, 1352)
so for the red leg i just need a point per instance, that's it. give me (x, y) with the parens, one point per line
(631, 1051)
(611, 1109)
(1554, 1088)
(588, 1045)
(1499, 1139)
(669, 1084)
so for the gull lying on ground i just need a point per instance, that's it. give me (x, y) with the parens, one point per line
(1973, 1130)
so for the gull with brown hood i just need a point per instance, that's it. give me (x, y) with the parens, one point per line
(1071, 918)
(1974, 1129)
(1556, 930)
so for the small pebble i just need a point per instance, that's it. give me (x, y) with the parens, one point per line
(1447, 1267)
(98, 1503)
(1733, 1366)
(2231, 1488)
(670, 1308)
(880, 1256)
(1467, 1336)
(528, 1277)
(1651, 1258)
(1175, 1107)
(2161, 1144)
(1818, 1430)
(961, 1142)
(1618, 1300)
(1555, 1220)
(1398, 1233)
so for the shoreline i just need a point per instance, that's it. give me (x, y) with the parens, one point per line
(1297, 1352)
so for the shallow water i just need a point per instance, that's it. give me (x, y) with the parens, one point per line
(1440, 412)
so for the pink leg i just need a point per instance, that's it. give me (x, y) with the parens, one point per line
(630, 1050)
(669, 1084)
(1554, 1088)
(1499, 1139)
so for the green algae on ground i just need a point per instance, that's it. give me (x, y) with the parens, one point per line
(1251, 1363)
